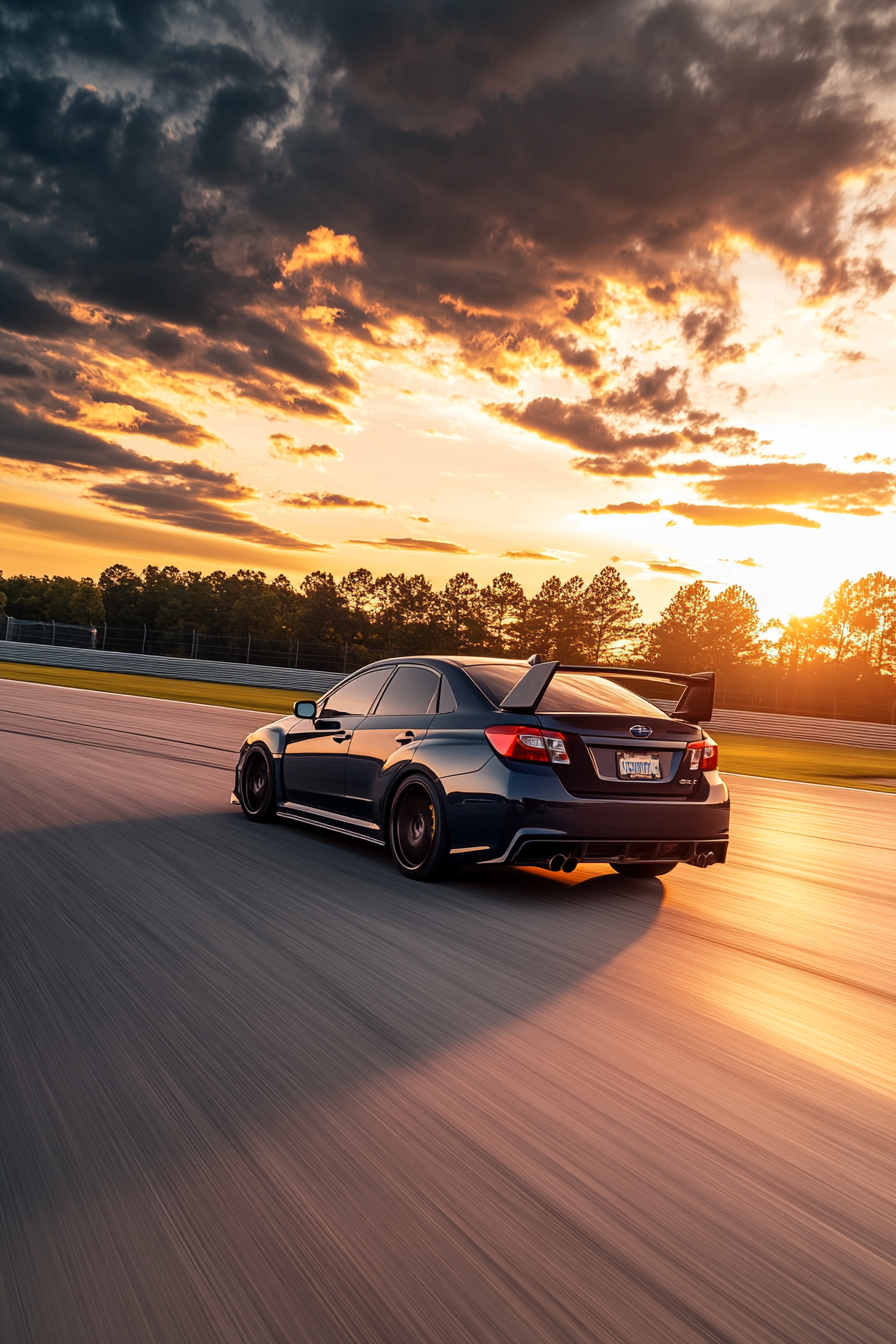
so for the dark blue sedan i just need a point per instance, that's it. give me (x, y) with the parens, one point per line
(453, 761)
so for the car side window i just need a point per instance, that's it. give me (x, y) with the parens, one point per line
(357, 695)
(413, 690)
(447, 701)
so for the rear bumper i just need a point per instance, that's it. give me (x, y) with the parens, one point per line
(502, 816)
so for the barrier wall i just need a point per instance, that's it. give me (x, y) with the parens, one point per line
(180, 669)
(794, 726)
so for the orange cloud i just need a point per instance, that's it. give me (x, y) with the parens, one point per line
(323, 248)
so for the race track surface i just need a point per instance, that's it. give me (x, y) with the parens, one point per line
(258, 1087)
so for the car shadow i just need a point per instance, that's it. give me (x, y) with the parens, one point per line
(180, 980)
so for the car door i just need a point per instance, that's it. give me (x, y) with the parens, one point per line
(315, 753)
(388, 735)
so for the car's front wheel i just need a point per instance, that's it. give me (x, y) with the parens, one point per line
(418, 833)
(258, 795)
(643, 869)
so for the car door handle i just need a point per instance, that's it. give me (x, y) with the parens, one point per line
(342, 737)
(404, 738)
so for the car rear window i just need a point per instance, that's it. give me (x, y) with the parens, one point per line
(496, 679)
(584, 693)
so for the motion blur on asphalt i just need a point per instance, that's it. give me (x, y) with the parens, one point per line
(259, 1088)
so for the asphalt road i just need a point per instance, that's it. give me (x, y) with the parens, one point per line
(258, 1087)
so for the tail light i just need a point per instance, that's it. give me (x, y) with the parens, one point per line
(703, 755)
(519, 743)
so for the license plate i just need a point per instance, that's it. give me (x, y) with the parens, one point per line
(638, 765)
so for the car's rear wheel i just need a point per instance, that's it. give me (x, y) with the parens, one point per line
(643, 869)
(258, 796)
(418, 833)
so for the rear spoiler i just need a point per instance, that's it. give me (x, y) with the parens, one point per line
(694, 706)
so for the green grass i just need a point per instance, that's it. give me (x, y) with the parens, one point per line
(810, 762)
(773, 757)
(161, 688)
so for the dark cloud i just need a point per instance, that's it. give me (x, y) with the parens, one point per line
(578, 424)
(155, 420)
(32, 441)
(15, 368)
(20, 311)
(325, 499)
(181, 494)
(192, 504)
(412, 544)
(808, 483)
(497, 165)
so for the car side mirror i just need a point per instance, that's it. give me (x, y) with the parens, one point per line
(305, 709)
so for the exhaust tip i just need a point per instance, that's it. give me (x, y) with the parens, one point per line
(705, 860)
(557, 862)
(570, 865)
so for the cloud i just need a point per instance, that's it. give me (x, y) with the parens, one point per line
(530, 555)
(31, 440)
(625, 506)
(696, 467)
(722, 515)
(670, 567)
(20, 311)
(749, 562)
(157, 421)
(323, 248)
(708, 515)
(578, 424)
(323, 499)
(180, 501)
(511, 177)
(412, 544)
(284, 446)
(809, 483)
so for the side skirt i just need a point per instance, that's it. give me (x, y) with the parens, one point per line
(328, 826)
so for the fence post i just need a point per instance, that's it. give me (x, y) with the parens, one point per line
(53, 641)
(143, 649)
(248, 646)
(105, 627)
(345, 658)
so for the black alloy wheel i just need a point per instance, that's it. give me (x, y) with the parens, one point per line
(643, 869)
(418, 834)
(258, 797)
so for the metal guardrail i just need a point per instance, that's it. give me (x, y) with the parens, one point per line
(178, 669)
(793, 726)
(797, 727)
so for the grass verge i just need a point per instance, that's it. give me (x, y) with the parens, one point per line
(160, 688)
(809, 762)
(773, 757)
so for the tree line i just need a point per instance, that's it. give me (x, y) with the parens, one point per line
(850, 642)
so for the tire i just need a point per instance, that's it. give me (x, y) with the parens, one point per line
(643, 869)
(258, 794)
(418, 832)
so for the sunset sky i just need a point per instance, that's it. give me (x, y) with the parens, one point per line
(322, 284)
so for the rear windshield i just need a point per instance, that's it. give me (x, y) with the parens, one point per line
(568, 692)
(584, 693)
